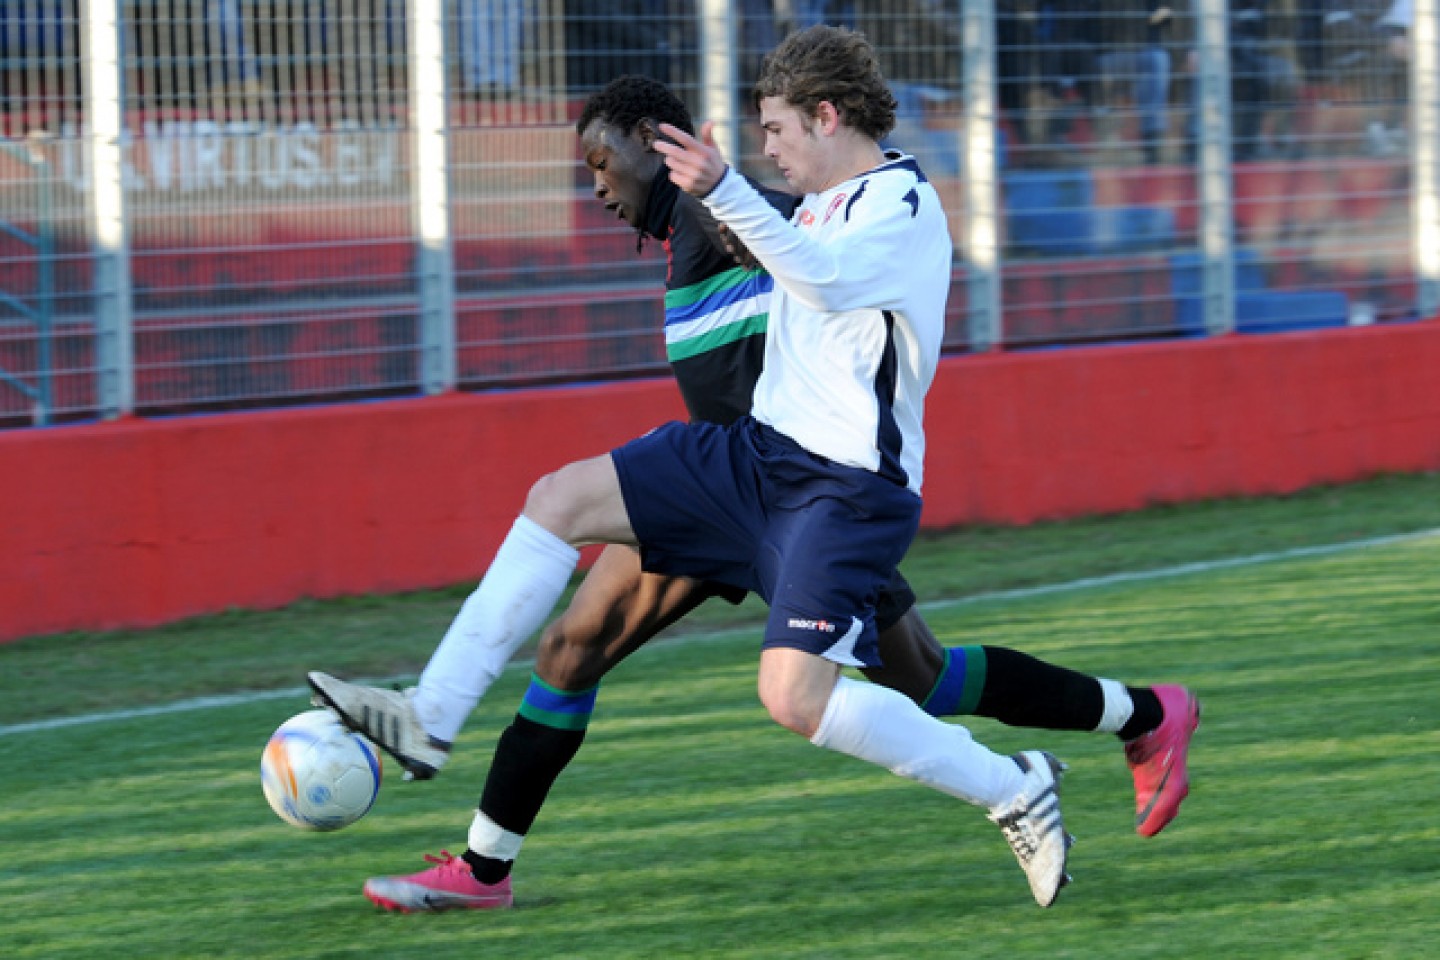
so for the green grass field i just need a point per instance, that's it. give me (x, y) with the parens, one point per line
(691, 826)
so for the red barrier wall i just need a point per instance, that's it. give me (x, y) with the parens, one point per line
(140, 522)
(1020, 437)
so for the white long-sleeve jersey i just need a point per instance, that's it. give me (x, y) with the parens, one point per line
(861, 273)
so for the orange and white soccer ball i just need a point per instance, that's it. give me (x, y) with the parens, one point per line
(318, 775)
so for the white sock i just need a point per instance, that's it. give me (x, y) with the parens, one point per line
(1118, 707)
(518, 592)
(873, 723)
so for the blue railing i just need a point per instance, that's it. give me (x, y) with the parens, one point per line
(38, 308)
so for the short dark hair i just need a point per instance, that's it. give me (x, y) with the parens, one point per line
(627, 100)
(834, 64)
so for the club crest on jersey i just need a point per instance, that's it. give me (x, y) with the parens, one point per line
(806, 218)
(834, 205)
(819, 626)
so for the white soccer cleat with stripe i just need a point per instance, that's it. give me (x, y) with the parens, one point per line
(387, 717)
(1033, 827)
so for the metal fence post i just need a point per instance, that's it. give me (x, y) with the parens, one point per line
(720, 75)
(1425, 154)
(45, 307)
(1217, 230)
(980, 243)
(430, 196)
(114, 312)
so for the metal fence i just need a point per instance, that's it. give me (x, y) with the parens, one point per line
(221, 204)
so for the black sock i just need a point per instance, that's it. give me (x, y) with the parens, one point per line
(528, 759)
(487, 870)
(1023, 691)
(1147, 716)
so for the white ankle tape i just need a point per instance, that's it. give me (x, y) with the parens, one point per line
(489, 839)
(1118, 707)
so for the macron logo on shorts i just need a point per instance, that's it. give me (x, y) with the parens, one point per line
(833, 641)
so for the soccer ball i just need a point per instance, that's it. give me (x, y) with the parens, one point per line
(318, 775)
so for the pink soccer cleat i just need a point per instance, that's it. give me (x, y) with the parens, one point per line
(1157, 760)
(448, 885)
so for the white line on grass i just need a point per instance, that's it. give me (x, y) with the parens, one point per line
(1180, 570)
(1022, 593)
(179, 706)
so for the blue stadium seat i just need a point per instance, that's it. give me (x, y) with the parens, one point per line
(1186, 284)
(1133, 229)
(1050, 213)
(1257, 310)
(1276, 311)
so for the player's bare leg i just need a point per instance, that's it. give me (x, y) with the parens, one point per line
(914, 659)
(617, 609)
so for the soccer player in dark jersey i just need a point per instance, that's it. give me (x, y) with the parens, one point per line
(715, 326)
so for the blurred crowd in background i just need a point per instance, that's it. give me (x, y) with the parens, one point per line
(1068, 70)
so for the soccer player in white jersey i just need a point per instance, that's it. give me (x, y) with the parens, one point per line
(715, 313)
(813, 501)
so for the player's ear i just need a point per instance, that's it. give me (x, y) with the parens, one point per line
(648, 131)
(827, 115)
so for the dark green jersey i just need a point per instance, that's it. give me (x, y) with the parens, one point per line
(715, 311)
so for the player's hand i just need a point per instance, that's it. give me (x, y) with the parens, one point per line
(696, 166)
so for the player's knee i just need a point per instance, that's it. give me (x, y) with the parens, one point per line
(580, 503)
(544, 496)
(565, 661)
(790, 711)
(552, 504)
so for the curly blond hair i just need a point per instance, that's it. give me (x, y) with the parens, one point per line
(835, 64)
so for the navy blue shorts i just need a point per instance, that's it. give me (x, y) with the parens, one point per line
(747, 507)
